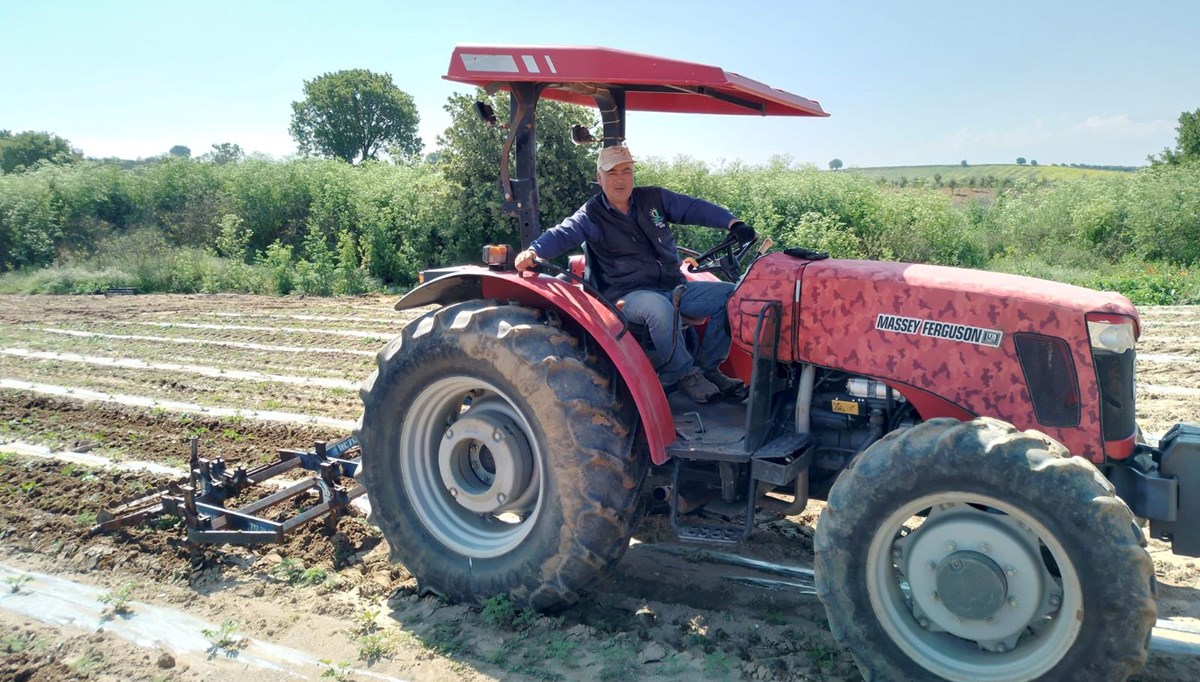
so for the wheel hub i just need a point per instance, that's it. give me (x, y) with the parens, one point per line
(971, 585)
(973, 574)
(485, 461)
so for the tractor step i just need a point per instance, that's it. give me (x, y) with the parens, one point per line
(778, 462)
(718, 534)
(782, 459)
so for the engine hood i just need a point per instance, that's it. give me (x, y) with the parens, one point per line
(933, 280)
(945, 332)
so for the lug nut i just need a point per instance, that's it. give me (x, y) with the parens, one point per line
(501, 497)
(1012, 602)
(454, 492)
(923, 622)
(950, 546)
(449, 433)
(497, 435)
(985, 548)
(1055, 600)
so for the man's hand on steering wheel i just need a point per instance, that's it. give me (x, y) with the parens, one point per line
(727, 256)
(743, 233)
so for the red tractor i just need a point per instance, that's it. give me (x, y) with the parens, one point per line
(507, 435)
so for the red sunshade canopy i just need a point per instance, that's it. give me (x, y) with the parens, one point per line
(650, 83)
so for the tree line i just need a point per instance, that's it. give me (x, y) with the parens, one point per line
(324, 226)
(225, 221)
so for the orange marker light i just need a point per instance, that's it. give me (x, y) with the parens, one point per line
(498, 254)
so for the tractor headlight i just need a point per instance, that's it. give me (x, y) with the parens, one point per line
(1113, 334)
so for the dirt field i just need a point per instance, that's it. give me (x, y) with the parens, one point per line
(93, 389)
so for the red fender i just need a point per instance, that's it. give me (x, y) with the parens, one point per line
(597, 321)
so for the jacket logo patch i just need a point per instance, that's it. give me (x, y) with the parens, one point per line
(657, 219)
(935, 329)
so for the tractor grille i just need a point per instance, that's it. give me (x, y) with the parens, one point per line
(1114, 373)
(1050, 376)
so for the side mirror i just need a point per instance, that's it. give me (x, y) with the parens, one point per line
(486, 113)
(581, 135)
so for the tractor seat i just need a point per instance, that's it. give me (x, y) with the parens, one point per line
(577, 264)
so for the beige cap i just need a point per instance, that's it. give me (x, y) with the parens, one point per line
(612, 156)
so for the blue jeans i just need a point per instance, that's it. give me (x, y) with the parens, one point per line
(653, 309)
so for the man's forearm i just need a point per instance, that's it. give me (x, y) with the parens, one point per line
(682, 209)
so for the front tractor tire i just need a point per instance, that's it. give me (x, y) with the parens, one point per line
(973, 551)
(497, 457)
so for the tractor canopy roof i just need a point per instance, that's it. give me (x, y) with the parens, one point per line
(577, 74)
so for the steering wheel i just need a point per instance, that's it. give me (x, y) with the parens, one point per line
(725, 258)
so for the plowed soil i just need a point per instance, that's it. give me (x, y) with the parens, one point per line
(329, 593)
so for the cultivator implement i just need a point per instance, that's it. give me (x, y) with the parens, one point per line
(213, 483)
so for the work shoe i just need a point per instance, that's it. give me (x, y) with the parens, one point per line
(695, 386)
(723, 383)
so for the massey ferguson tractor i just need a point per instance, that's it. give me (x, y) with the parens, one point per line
(972, 433)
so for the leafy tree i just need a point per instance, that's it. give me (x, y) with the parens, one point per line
(835, 164)
(470, 159)
(963, 163)
(181, 151)
(355, 114)
(1020, 160)
(1187, 141)
(225, 152)
(1033, 162)
(22, 150)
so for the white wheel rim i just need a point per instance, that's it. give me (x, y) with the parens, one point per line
(1048, 608)
(447, 427)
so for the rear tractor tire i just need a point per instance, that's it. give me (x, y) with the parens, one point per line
(497, 458)
(973, 551)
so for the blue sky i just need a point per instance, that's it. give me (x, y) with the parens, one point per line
(922, 82)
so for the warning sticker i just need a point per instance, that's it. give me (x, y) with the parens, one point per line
(845, 406)
(937, 329)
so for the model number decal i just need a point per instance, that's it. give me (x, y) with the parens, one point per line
(939, 330)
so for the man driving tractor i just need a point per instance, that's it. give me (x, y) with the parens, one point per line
(632, 257)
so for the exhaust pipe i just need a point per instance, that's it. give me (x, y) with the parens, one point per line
(690, 496)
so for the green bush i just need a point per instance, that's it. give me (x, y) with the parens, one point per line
(825, 233)
(278, 261)
(325, 227)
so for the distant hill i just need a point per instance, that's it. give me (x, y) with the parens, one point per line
(1000, 171)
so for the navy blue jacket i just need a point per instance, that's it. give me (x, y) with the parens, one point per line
(635, 250)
